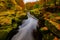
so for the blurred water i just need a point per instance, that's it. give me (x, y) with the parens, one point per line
(26, 29)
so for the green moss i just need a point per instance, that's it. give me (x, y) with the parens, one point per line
(35, 12)
(4, 33)
(52, 16)
(36, 6)
(59, 14)
(52, 28)
(58, 21)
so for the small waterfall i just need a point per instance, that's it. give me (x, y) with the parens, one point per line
(26, 29)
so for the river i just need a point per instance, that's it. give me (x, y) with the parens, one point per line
(26, 29)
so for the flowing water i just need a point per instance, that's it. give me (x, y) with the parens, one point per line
(26, 29)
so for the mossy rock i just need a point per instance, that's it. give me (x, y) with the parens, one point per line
(35, 12)
(4, 33)
(59, 14)
(52, 28)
